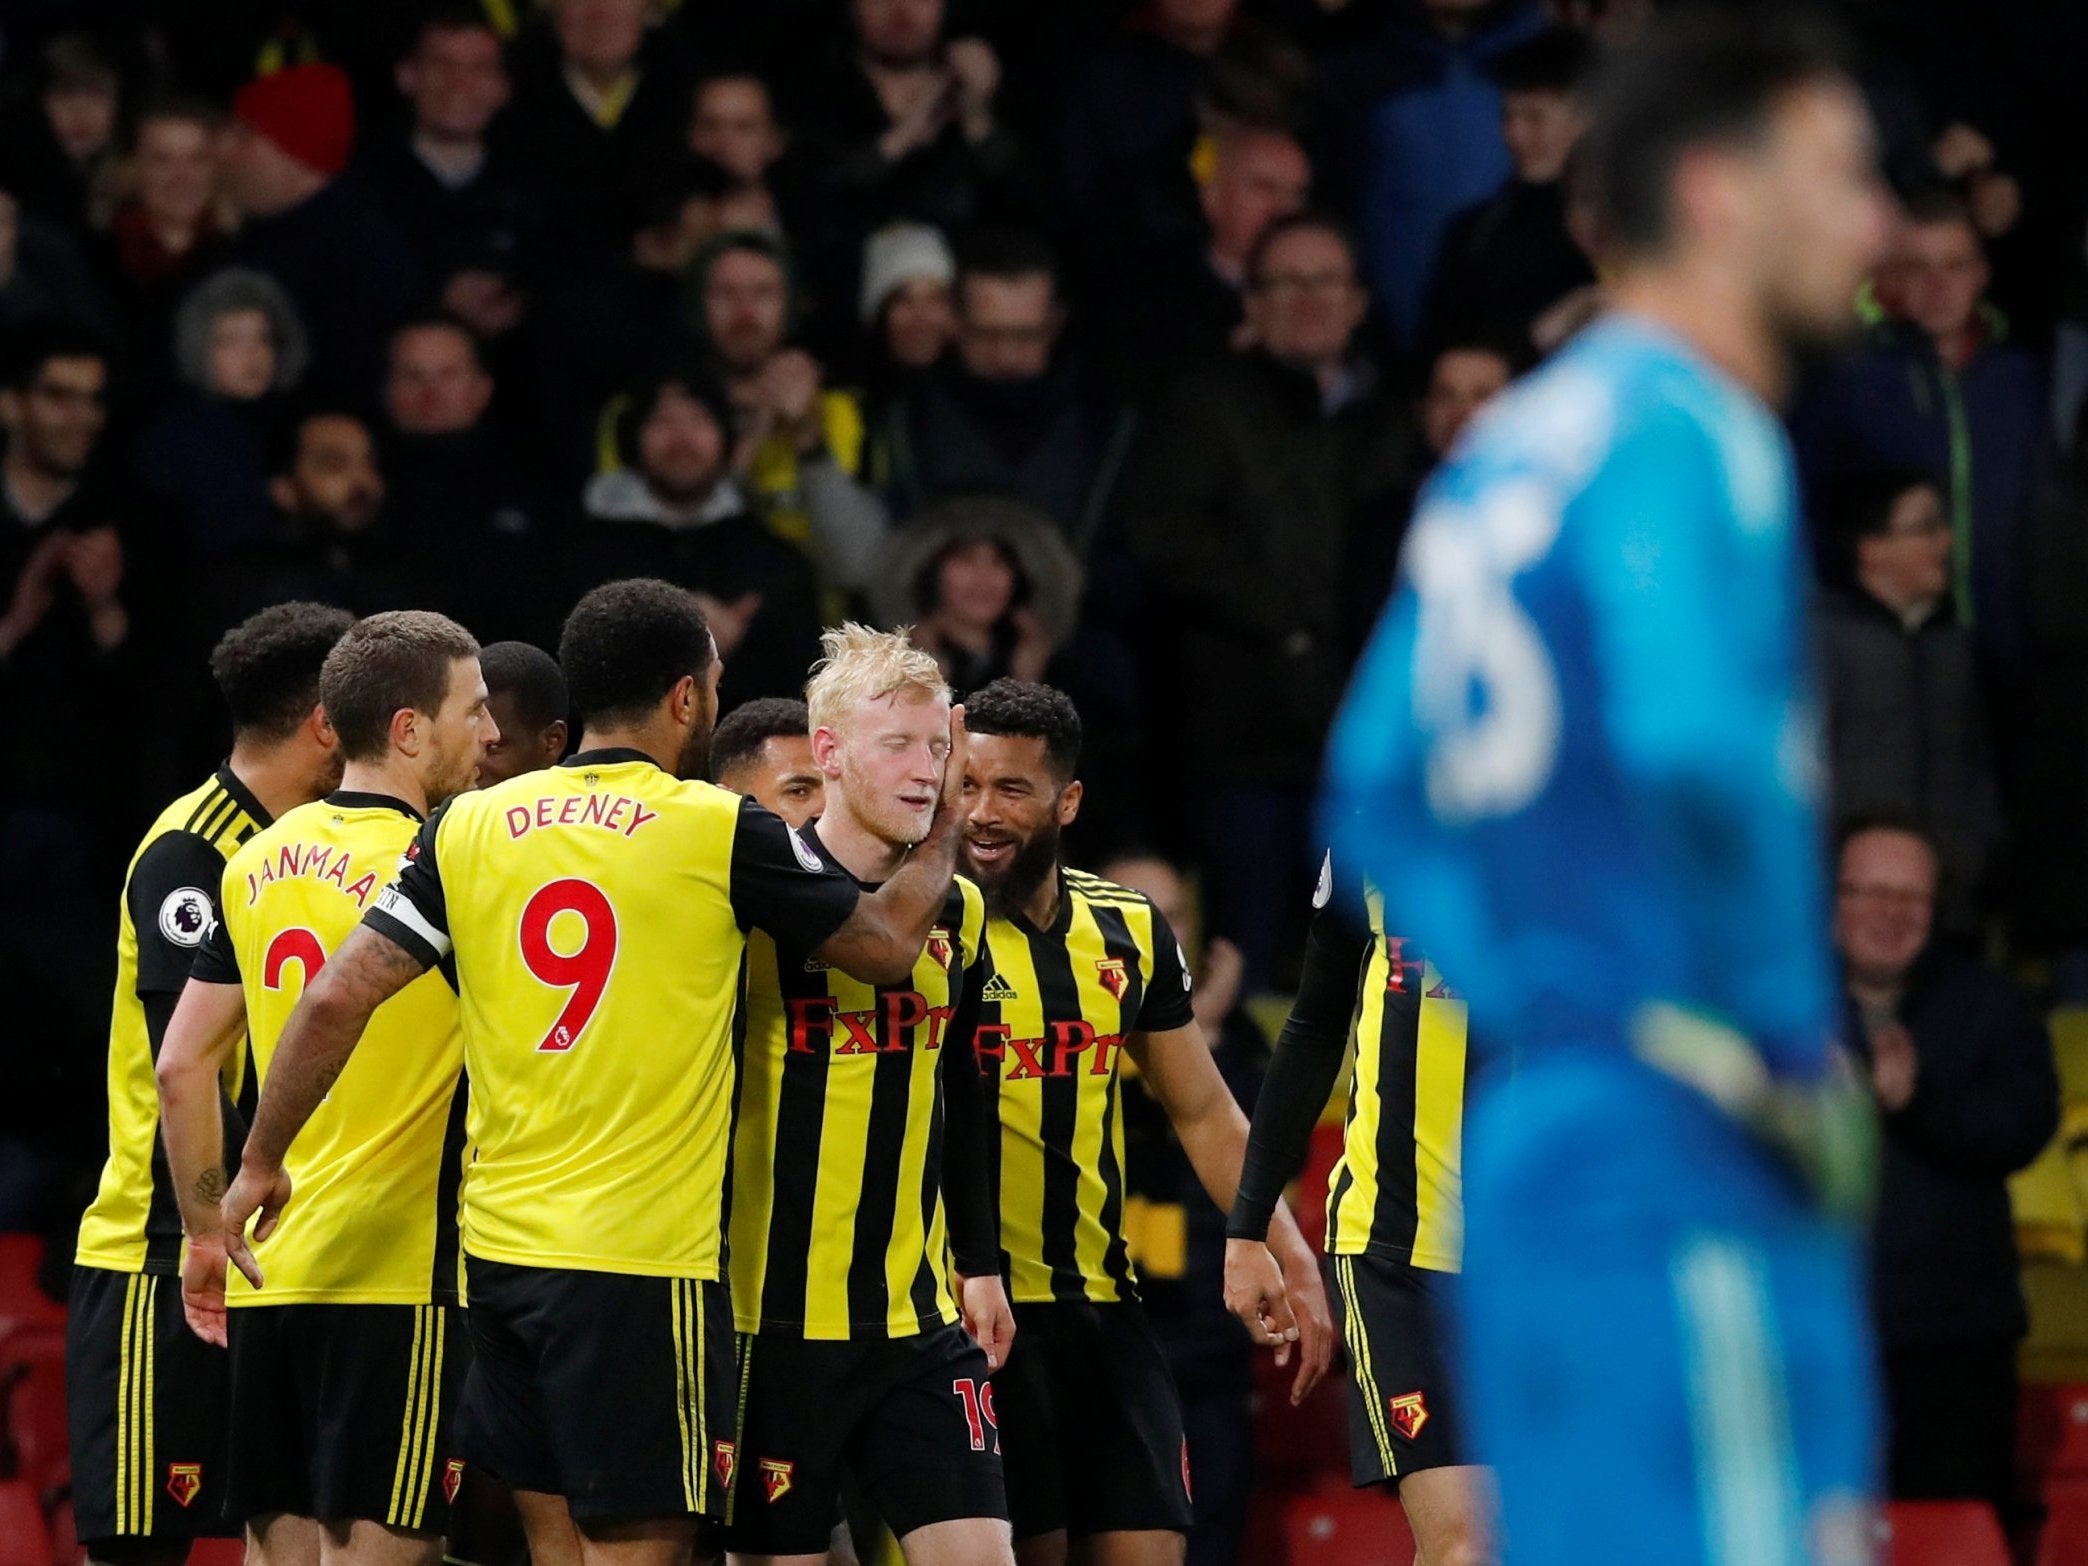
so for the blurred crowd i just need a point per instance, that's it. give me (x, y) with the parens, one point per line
(1105, 343)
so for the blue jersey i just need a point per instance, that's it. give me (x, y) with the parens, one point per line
(1581, 751)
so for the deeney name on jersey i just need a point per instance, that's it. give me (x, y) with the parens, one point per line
(311, 862)
(617, 813)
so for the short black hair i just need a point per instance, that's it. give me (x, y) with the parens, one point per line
(1702, 76)
(1859, 506)
(286, 440)
(1559, 60)
(1933, 204)
(626, 645)
(1008, 253)
(742, 732)
(440, 321)
(43, 339)
(1502, 345)
(1310, 221)
(450, 16)
(267, 666)
(1026, 709)
(382, 666)
(532, 676)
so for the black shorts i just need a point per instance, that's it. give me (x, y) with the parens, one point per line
(618, 1392)
(145, 1403)
(1402, 1408)
(1091, 1424)
(345, 1411)
(911, 1419)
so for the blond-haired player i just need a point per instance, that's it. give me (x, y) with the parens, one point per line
(862, 1231)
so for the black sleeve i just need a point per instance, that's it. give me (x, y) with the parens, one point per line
(1307, 1062)
(969, 1121)
(216, 961)
(1165, 1004)
(1993, 1114)
(783, 884)
(173, 897)
(412, 912)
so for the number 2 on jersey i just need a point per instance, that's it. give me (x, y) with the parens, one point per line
(585, 969)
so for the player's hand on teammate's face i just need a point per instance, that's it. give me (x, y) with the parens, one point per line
(1254, 1292)
(988, 1317)
(203, 1288)
(954, 764)
(1315, 1321)
(264, 1191)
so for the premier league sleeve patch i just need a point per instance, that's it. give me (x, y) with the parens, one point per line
(185, 917)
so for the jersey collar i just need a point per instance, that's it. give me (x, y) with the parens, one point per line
(356, 799)
(228, 780)
(608, 756)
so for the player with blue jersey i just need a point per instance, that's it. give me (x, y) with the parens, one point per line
(1580, 755)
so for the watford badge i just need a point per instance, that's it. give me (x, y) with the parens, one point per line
(725, 1460)
(775, 1478)
(452, 1479)
(1409, 1413)
(940, 949)
(184, 1482)
(1114, 979)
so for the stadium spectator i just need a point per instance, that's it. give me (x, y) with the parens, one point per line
(1251, 479)
(797, 444)
(988, 585)
(1179, 1244)
(599, 105)
(1464, 375)
(1010, 411)
(1940, 388)
(41, 272)
(1962, 1070)
(170, 228)
(464, 497)
(675, 511)
(239, 350)
(57, 146)
(906, 307)
(1409, 135)
(457, 192)
(1906, 725)
(1510, 258)
(343, 263)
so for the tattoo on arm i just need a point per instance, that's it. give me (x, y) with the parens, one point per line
(210, 1186)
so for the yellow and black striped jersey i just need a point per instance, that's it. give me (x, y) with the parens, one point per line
(838, 1220)
(597, 911)
(376, 1169)
(1055, 1009)
(170, 895)
(1397, 1190)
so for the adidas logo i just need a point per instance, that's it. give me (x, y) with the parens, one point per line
(998, 989)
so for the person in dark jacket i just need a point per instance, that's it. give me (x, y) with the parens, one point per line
(1940, 389)
(1509, 259)
(1962, 1069)
(1241, 504)
(1906, 724)
(673, 510)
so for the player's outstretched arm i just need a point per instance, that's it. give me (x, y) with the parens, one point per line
(882, 939)
(1180, 1073)
(321, 1034)
(207, 1025)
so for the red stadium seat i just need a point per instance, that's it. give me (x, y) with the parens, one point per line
(1338, 1526)
(65, 1536)
(23, 1302)
(1942, 1533)
(32, 1411)
(2052, 1433)
(217, 1552)
(24, 1541)
(2065, 1538)
(1298, 1447)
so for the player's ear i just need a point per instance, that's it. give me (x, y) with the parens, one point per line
(826, 751)
(555, 740)
(1069, 802)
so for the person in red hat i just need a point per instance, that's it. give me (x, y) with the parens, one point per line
(351, 273)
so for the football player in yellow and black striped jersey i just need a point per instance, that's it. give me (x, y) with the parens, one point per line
(346, 1365)
(145, 1399)
(859, 1174)
(1079, 973)
(596, 912)
(1395, 1210)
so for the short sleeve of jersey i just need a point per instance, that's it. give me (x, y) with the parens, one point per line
(1165, 1006)
(173, 897)
(785, 885)
(412, 911)
(217, 960)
